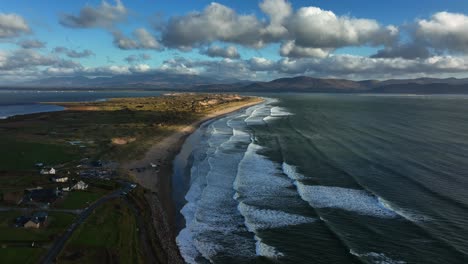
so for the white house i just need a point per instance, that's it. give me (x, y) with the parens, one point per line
(81, 185)
(60, 179)
(48, 171)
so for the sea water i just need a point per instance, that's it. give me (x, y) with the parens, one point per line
(329, 179)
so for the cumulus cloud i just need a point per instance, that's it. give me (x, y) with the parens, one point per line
(137, 58)
(308, 31)
(316, 28)
(278, 12)
(29, 59)
(407, 51)
(31, 44)
(290, 49)
(142, 39)
(444, 31)
(104, 15)
(215, 22)
(74, 53)
(12, 25)
(217, 51)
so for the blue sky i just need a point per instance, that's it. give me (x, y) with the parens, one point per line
(373, 34)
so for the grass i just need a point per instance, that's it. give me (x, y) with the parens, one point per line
(81, 199)
(108, 235)
(57, 223)
(21, 255)
(22, 155)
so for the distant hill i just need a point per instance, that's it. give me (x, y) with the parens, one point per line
(185, 82)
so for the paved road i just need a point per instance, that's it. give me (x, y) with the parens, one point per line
(60, 242)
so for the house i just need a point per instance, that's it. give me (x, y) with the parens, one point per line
(35, 221)
(66, 189)
(47, 171)
(41, 195)
(59, 179)
(81, 185)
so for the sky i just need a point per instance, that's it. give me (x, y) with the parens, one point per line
(243, 39)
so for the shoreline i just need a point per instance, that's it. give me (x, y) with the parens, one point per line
(159, 180)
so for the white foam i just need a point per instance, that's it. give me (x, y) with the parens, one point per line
(265, 250)
(213, 222)
(187, 247)
(358, 201)
(259, 219)
(291, 172)
(405, 213)
(280, 111)
(377, 258)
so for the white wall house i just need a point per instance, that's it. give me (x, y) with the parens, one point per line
(81, 185)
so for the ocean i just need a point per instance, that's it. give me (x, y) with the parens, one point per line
(20, 102)
(317, 178)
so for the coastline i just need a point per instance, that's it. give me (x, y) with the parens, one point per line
(159, 180)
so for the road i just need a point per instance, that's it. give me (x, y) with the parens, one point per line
(58, 245)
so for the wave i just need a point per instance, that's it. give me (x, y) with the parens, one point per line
(259, 219)
(378, 258)
(354, 200)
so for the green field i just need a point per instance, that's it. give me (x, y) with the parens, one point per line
(108, 235)
(57, 222)
(21, 255)
(80, 199)
(15, 242)
(22, 155)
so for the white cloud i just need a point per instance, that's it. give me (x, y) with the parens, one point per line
(312, 27)
(105, 15)
(217, 51)
(12, 25)
(445, 31)
(142, 39)
(215, 22)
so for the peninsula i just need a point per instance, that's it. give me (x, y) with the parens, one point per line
(95, 168)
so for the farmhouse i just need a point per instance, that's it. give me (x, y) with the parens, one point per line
(81, 185)
(35, 221)
(59, 179)
(47, 171)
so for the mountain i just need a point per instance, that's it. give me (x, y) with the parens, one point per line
(185, 82)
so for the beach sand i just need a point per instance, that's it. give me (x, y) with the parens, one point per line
(159, 179)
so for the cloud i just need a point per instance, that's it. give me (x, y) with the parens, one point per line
(12, 25)
(278, 12)
(308, 31)
(73, 53)
(105, 15)
(137, 58)
(290, 49)
(312, 27)
(142, 39)
(444, 31)
(31, 44)
(217, 51)
(30, 59)
(405, 51)
(215, 22)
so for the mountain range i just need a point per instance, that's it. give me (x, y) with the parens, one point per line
(184, 82)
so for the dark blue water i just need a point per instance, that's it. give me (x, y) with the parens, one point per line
(19, 102)
(331, 179)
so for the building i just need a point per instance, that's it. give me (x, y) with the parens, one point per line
(47, 171)
(37, 220)
(81, 185)
(59, 179)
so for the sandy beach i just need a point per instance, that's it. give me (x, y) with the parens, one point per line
(158, 178)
